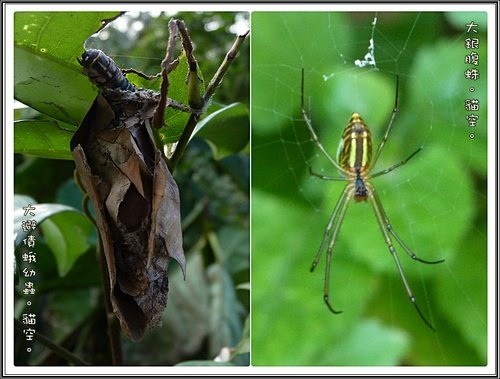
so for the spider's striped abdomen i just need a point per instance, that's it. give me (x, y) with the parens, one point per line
(355, 149)
(355, 154)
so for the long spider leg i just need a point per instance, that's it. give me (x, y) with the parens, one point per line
(333, 220)
(387, 170)
(410, 253)
(381, 218)
(325, 177)
(331, 233)
(345, 198)
(405, 247)
(389, 127)
(311, 129)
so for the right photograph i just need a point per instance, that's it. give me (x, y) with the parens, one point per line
(369, 188)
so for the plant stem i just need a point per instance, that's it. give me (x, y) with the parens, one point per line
(57, 349)
(209, 92)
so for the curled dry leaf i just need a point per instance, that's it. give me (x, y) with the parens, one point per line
(136, 202)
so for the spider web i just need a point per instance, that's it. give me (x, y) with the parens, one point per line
(436, 202)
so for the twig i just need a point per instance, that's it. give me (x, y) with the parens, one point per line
(193, 79)
(209, 91)
(140, 74)
(166, 66)
(219, 75)
(57, 349)
(114, 328)
(111, 320)
(183, 141)
(186, 41)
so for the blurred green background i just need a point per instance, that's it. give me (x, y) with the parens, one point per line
(436, 203)
(209, 310)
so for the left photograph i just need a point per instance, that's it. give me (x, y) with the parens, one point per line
(131, 188)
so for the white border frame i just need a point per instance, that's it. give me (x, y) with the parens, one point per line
(492, 323)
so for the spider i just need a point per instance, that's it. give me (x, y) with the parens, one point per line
(355, 162)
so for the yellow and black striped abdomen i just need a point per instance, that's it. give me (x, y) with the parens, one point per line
(355, 150)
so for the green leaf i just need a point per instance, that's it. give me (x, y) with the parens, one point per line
(41, 31)
(43, 138)
(47, 76)
(469, 267)
(234, 242)
(65, 229)
(226, 130)
(224, 319)
(41, 211)
(243, 346)
(188, 303)
(67, 234)
(51, 86)
(370, 344)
